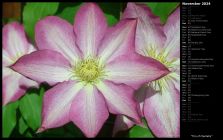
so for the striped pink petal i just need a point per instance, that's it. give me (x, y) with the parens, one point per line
(119, 40)
(14, 85)
(56, 34)
(44, 66)
(149, 31)
(89, 111)
(14, 43)
(119, 99)
(57, 103)
(162, 111)
(89, 26)
(172, 32)
(135, 70)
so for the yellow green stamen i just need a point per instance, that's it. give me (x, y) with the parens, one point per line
(161, 56)
(89, 70)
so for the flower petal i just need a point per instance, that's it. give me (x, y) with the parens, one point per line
(89, 111)
(14, 41)
(134, 70)
(90, 25)
(122, 123)
(6, 59)
(162, 112)
(31, 49)
(44, 66)
(57, 34)
(175, 80)
(149, 30)
(119, 99)
(140, 96)
(56, 104)
(172, 32)
(6, 72)
(14, 85)
(119, 40)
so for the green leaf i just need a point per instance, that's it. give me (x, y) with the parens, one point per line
(112, 16)
(34, 11)
(41, 93)
(22, 125)
(111, 8)
(9, 118)
(111, 11)
(69, 13)
(138, 131)
(163, 9)
(8, 20)
(28, 134)
(30, 108)
(111, 19)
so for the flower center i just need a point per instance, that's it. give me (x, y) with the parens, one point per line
(160, 84)
(16, 57)
(161, 55)
(89, 70)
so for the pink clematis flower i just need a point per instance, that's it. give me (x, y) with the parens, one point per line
(94, 69)
(159, 101)
(14, 45)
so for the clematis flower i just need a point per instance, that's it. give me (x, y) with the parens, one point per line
(159, 101)
(14, 45)
(94, 69)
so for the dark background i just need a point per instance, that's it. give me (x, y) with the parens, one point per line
(209, 104)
